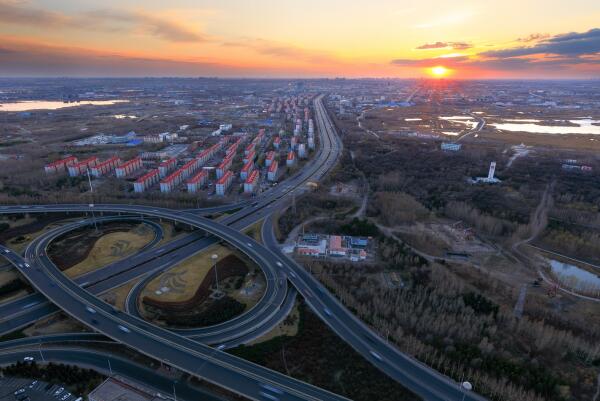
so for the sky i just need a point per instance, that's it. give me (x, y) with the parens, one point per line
(485, 39)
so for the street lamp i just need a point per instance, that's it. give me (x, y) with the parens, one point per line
(214, 258)
(92, 195)
(465, 387)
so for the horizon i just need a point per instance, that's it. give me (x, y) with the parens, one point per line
(379, 39)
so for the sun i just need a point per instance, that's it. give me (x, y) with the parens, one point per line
(439, 71)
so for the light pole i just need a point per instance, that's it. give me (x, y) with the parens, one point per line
(40, 349)
(214, 258)
(109, 367)
(174, 393)
(465, 387)
(87, 169)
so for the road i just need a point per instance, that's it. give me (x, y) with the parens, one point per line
(213, 365)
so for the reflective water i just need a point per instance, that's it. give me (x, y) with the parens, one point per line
(575, 277)
(52, 105)
(584, 126)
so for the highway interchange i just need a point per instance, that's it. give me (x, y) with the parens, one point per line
(188, 350)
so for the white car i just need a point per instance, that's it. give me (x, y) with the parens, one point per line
(60, 390)
(64, 397)
(375, 355)
(20, 391)
(28, 359)
(90, 309)
(124, 329)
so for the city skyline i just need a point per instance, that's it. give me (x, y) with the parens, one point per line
(465, 40)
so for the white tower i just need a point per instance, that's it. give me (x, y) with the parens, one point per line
(490, 176)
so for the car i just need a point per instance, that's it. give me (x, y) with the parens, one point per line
(20, 391)
(375, 355)
(64, 397)
(59, 391)
(278, 263)
(268, 396)
(94, 321)
(90, 309)
(124, 329)
(249, 244)
(33, 383)
(271, 388)
(6, 251)
(26, 265)
(29, 359)
(91, 205)
(327, 311)
(254, 204)
(221, 347)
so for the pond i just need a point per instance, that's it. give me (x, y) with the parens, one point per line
(575, 277)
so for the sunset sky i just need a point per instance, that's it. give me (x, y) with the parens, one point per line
(309, 38)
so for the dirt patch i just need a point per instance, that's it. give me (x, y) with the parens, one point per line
(230, 266)
(181, 282)
(75, 246)
(57, 323)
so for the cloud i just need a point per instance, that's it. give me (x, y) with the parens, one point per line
(22, 58)
(571, 44)
(106, 20)
(282, 50)
(444, 45)
(533, 37)
(552, 54)
(428, 62)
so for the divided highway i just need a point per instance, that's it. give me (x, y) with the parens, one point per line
(237, 375)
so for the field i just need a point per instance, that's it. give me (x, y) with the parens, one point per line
(181, 282)
(110, 248)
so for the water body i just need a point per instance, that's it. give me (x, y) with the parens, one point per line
(122, 116)
(583, 127)
(575, 277)
(465, 120)
(28, 105)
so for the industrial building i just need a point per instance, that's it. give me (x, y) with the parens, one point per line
(222, 186)
(118, 389)
(60, 166)
(454, 147)
(198, 181)
(335, 246)
(128, 167)
(490, 179)
(81, 167)
(272, 172)
(105, 167)
(146, 181)
(251, 184)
